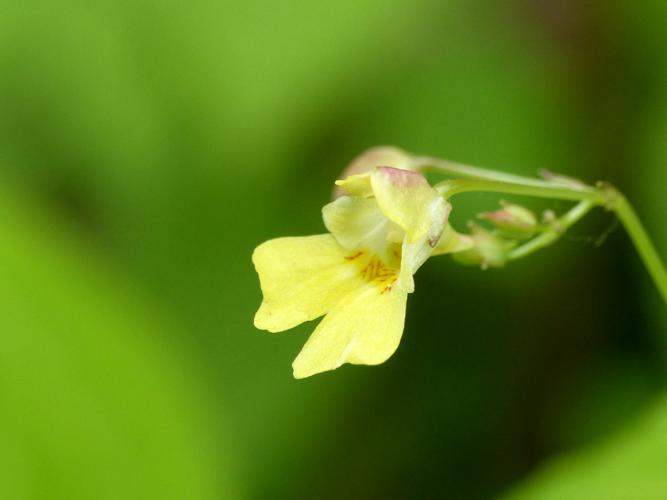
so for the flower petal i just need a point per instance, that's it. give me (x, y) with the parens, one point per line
(357, 185)
(353, 221)
(413, 255)
(364, 328)
(375, 157)
(407, 199)
(302, 278)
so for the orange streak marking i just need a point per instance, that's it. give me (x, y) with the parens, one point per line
(356, 255)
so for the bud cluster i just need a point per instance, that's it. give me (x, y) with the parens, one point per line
(491, 247)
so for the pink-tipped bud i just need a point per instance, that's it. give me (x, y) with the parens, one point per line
(512, 220)
(379, 156)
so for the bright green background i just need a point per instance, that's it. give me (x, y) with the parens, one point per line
(147, 147)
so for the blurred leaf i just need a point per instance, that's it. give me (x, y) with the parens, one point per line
(631, 465)
(94, 402)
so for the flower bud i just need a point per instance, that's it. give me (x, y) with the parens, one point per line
(489, 249)
(379, 156)
(512, 220)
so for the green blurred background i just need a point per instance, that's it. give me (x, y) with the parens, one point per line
(147, 147)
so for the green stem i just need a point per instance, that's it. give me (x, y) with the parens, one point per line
(553, 232)
(603, 195)
(427, 163)
(642, 242)
(452, 187)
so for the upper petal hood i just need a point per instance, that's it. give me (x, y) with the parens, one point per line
(407, 199)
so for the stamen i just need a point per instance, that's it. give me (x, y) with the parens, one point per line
(373, 270)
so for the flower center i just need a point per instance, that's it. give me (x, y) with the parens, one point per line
(374, 270)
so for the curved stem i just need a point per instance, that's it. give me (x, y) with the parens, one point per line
(642, 242)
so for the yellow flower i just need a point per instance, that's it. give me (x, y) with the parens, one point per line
(358, 275)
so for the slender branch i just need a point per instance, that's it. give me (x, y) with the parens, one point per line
(427, 163)
(554, 232)
(452, 187)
